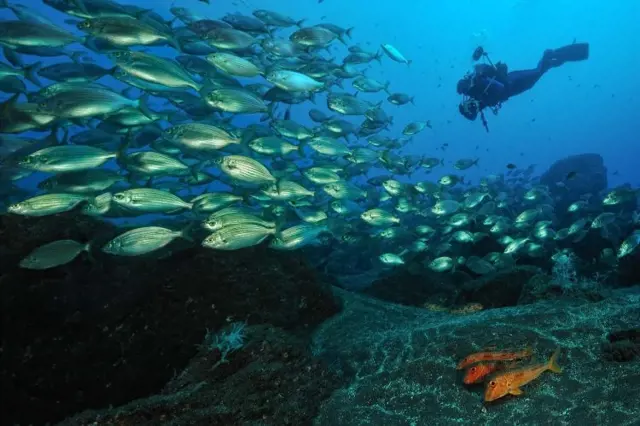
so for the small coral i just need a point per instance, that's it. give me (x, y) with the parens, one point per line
(564, 272)
(226, 341)
(566, 278)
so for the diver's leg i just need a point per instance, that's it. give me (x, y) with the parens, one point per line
(555, 57)
(521, 81)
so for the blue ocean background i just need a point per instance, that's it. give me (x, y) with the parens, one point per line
(577, 108)
(348, 357)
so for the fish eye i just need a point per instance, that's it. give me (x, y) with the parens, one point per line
(492, 384)
(473, 369)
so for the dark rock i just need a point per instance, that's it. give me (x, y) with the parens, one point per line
(590, 177)
(106, 330)
(623, 351)
(272, 379)
(543, 287)
(629, 269)
(632, 335)
(411, 287)
(504, 288)
(623, 345)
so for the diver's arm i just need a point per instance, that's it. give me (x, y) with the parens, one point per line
(484, 70)
(493, 84)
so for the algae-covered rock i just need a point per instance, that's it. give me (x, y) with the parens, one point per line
(404, 360)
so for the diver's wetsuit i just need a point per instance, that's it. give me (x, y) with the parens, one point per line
(491, 85)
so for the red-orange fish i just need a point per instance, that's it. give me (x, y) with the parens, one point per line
(494, 356)
(477, 372)
(509, 382)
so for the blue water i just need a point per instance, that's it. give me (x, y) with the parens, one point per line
(580, 107)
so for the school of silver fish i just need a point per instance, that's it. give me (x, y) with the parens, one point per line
(154, 132)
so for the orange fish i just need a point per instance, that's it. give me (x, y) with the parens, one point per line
(509, 382)
(493, 356)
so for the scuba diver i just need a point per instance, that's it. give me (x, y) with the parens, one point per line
(489, 85)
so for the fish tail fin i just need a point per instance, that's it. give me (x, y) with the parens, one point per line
(412, 100)
(88, 247)
(280, 222)
(409, 62)
(186, 231)
(300, 22)
(342, 40)
(90, 43)
(121, 153)
(80, 5)
(31, 73)
(144, 106)
(207, 86)
(553, 362)
(475, 163)
(195, 169)
(175, 43)
(127, 93)
(52, 139)
(267, 115)
(175, 117)
(247, 136)
(386, 87)
(11, 56)
(349, 32)
(7, 106)
(378, 57)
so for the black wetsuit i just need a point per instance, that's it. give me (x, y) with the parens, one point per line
(491, 85)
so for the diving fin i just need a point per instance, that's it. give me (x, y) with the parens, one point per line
(571, 53)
